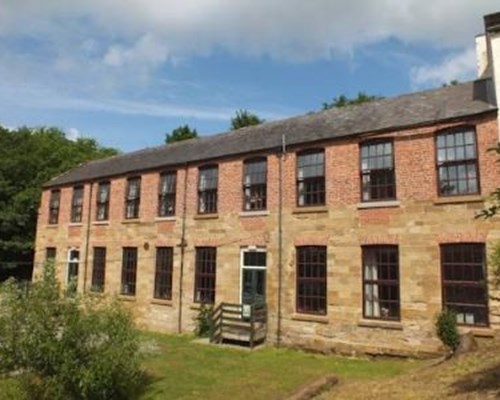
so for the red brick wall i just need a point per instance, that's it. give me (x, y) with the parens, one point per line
(414, 152)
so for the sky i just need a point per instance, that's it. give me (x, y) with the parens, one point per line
(125, 72)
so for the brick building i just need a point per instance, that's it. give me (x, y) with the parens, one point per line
(355, 226)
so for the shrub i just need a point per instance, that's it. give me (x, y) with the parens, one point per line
(67, 347)
(446, 329)
(204, 321)
(494, 263)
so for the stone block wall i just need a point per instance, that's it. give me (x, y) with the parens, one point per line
(418, 222)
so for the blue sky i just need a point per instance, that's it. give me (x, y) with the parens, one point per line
(127, 71)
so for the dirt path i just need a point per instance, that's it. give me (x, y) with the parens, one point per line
(471, 376)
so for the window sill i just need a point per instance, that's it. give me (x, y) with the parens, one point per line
(197, 306)
(52, 226)
(474, 198)
(477, 331)
(310, 209)
(379, 204)
(131, 221)
(322, 319)
(372, 323)
(259, 213)
(206, 216)
(166, 219)
(162, 302)
(126, 297)
(100, 223)
(75, 224)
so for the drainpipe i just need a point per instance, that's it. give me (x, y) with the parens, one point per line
(183, 248)
(281, 156)
(87, 238)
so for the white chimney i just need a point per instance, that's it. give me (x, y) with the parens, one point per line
(488, 53)
(481, 55)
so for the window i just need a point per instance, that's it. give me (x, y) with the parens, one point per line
(204, 284)
(103, 191)
(311, 178)
(463, 271)
(207, 190)
(133, 198)
(381, 282)
(98, 269)
(77, 204)
(166, 200)
(311, 279)
(378, 180)
(72, 270)
(253, 276)
(129, 271)
(50, 254)
(457, 162)
(54, 203)
(163, 274)
(254, 184)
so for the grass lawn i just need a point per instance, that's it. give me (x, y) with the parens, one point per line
(186, 370)
(181, 369)
(8, 389)
(471, 376)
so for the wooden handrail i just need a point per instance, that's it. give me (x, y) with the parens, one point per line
(230, 315)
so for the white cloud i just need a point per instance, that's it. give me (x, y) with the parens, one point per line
(73, 134)
(39, 97)
(153, 30)
(104, 55)
(147, 50)
(459, 66)
(9, 127)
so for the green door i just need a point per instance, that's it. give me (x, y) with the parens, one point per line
(253, 286)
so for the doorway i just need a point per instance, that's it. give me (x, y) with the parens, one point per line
(72, 271)
(253, 276)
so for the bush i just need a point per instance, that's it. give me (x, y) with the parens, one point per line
(204, 321)
(67, 347)
(446, 329)
(494, 263)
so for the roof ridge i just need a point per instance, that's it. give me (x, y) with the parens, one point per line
(405, 110)
(250, 128)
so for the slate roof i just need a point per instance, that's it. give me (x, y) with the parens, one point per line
(415, 109)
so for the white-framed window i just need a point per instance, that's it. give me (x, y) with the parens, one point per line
(73, 263)
(253, 275)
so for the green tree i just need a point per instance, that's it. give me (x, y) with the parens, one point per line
(493, 207)
(61, 347)
(446, 329)
(180, 133)
(490, 211)
(344, 101)
(244, 118)
(453, 82)
(28, 158)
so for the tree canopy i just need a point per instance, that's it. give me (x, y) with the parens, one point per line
(344, 101)
(244, 118)
(180, 133)
(28, 158)
(453, 82)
